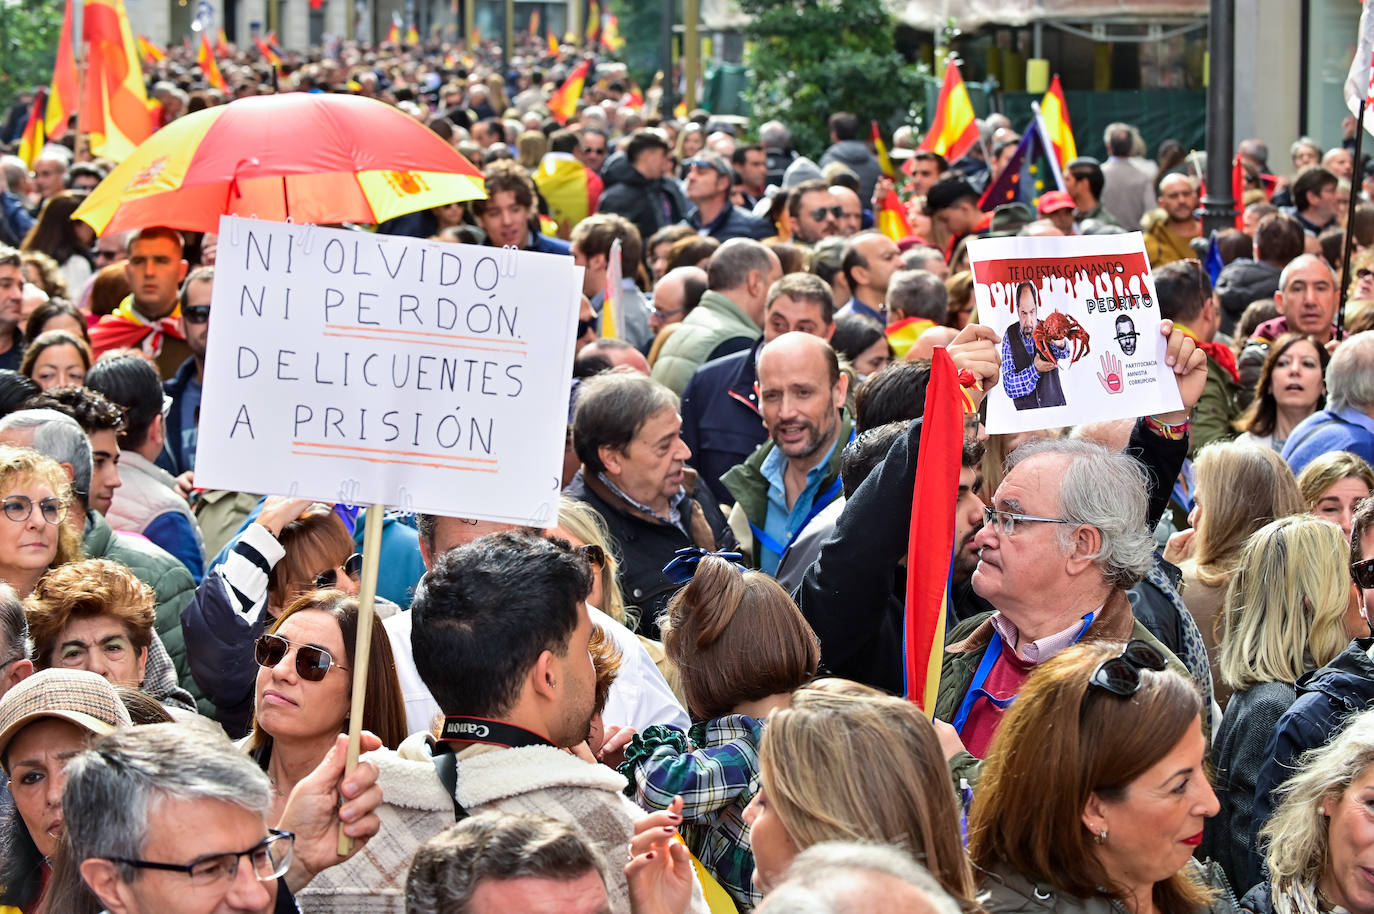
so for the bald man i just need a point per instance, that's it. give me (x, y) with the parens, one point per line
(791, 477)
(1166, 240)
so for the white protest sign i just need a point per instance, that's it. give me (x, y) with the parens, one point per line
(1079, 322)
(378, 369)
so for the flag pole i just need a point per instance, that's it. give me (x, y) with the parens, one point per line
(1350, 212)
(367, 595)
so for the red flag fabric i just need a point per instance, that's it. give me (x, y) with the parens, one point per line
(114, 107)
(208, 66)
(930, 546)
(953, 130)
(1054, 113)
(563, 104)
(891, 219)
(1238, 190)
(63, 97)
(35, 135)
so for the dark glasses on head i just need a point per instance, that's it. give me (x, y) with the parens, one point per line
(312, 663)
(196, 314)
(1121, 675)
(1362, 573)
(594, 554)
(352, 566)
(819, 213)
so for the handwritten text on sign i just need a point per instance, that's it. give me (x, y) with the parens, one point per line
(364, 368)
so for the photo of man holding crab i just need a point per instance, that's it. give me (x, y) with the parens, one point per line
(1057, 304)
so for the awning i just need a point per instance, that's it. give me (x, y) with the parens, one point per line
(724, 15)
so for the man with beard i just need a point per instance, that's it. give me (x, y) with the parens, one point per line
(790, 478)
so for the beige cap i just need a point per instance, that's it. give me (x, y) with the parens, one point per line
(78, 696)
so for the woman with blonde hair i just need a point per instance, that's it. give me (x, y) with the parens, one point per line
(35, 494)
(1287, 611)
(1318, 843)
(1094, 791)
(1334, 484)
(1240, 488)
(530, 146)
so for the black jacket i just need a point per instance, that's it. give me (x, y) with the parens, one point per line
(628, 193)
(854, 594)
(732, 222)
(720, 417)
(644, 544)
(1241, 282)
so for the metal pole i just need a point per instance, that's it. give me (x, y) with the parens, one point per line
(1218, 206)
(469, 22)
(575, 20)
(691, 62)
(1350, 214)
(667, 100)
(510, 33)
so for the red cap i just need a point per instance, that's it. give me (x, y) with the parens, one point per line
(1053, 201)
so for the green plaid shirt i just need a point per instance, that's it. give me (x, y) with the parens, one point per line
(715, 769)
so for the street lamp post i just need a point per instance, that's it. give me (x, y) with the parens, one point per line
(1218, 205)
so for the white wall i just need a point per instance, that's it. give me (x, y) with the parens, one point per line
(1268, 74)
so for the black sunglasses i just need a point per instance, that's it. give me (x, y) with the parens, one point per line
(196, 314)
(819, 212)
(583, 327)
(1121, 675)
(352, 566)
(312, 663)
(594, 554)
(1362, 573)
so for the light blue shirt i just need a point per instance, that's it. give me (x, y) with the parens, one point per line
(779, 523)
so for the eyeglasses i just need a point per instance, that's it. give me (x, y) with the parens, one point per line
(270, 860)
(1121, 675)
(1362, 573)
(818, 214)
(1364, 273)
(352, 566)
(312, 663)
(593, 150)
(1004, 522)
(196, 314)
(664, 313)
(19, 508)
(594, 554)
(583, 328)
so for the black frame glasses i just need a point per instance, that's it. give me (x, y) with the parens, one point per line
(352, 566)
(196, 314)
(52, 508)
(1362, 573)
(312, 663)
(270, 858)
(1004, 522)
(1120, 675)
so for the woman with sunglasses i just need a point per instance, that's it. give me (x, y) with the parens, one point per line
(1094, 791)
(1288, 611)
(34, 495)
(294, 546)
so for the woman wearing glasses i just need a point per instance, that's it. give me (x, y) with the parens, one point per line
(294, 546)
(34, 494)
(1094, 791)
(1287, 611)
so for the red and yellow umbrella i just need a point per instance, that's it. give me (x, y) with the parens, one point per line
(299, 157)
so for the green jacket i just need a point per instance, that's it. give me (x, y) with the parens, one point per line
(712, 322)
(965, 646)
(171, 582)
(1215, 410)
(747, 484)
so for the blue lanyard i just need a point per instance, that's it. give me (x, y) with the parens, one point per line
(975, 688)
(817, 506)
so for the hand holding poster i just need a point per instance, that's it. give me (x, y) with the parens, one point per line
(1079, 322)
(378, 369)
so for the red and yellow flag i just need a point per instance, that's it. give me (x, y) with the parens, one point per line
(221, 43)
(610, 306)
(610, 33)
(891, 218)
(393, 34)
(208, 67)
(593, 22)
(534, 24)
(1054, 113)
(953, 130)
(412, 34)
(553, 44)
(880, 150)
(902, 334)
(63, 97)
(563, 104)
(562, 182)
(35, 131)
(114, 108)
(150, 52)
(930, 548)
(267, 52)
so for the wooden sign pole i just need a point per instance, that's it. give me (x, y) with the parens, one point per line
(367, 594)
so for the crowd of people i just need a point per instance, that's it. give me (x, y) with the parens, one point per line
(689, 692)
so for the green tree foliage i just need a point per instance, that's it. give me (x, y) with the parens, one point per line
(28, 46)
(811, 58)
(640, 23)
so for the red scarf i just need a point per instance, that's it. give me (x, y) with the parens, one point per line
(1217, 352)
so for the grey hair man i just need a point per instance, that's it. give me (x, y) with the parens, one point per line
(495, 862)
(171, 817)
(916, 293)
(1347, 422)
(925, 258)
(840, 877)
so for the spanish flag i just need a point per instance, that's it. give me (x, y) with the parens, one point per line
(553, 44)
(891, 218)
(562, 182)
(593, 22)
(114, 108)
(393, 34)
(610, 306)
(221, 43)
(206, 58)
(150, 52)
(267, 52)
(534, 24)
(412, 34)
(880, 150)
(930, 548)
(902, 334)
(952, 131)
(35, 133)
(563, 104)
(1055, 114)
(610, 33)
(63, 97)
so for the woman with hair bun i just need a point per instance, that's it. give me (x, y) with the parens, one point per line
(742, 648)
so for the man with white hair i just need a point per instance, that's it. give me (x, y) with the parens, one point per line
(1347, 422)
(841, 877)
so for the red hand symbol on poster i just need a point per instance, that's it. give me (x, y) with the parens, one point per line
(1110, 375)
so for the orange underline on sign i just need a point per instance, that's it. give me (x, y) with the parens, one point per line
(392, 339)
(410, 463)
(447, 336)
(381, 450)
